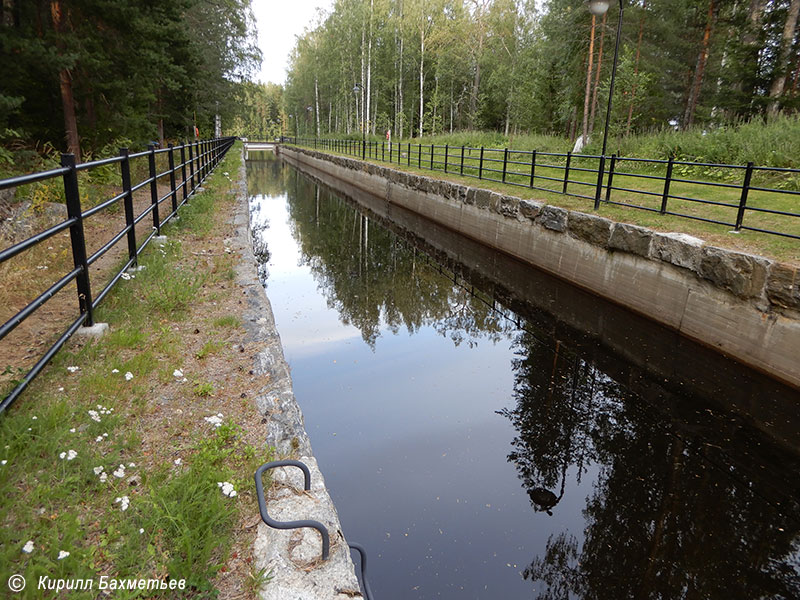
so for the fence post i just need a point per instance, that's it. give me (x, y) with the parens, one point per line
(172, 177)
(566, 172)
(409, 154)
(419, 155)
(77, 238)
(446, 151)
(151, 158)
(505, 163)
(125, 170)
(480, 165)
(183, 171)
(748, 175)
(383, 151)
(599, 190)
(610, 177)
(191, 166)
(667, 181)
(431, 157)
(533, 167)
(462, 159)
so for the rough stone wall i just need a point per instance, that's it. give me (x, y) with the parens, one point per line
(291, 557)
(744, 305)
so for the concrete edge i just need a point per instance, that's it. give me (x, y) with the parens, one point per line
(291, 557)
(745, 306)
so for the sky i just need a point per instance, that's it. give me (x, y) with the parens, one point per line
(278, 23)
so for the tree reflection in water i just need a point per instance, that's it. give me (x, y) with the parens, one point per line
(687, 502)
(671, 515)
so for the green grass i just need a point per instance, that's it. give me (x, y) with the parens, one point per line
(178, 524)
(228, 321)
(646, 187)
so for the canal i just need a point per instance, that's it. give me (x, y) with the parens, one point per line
(488, 432)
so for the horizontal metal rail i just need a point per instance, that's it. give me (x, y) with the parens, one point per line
(203, 157)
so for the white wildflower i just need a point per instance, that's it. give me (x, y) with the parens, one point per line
(73, 369)
(69, 455)
(103, 477)
(128, 376)
(126, 276)
(28, 547)
(177, 461)
(115, 370)
(123, 501)
(215, 420)
(98, 470)
(141, 530)
(95, 416)
(72, 430)
(227, 488)
(99, 438)
(62, 554)
(34, 417)
(120, 472)
(131, 465)
(177, 373)
(4, 462)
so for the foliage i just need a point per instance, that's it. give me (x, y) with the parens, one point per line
(132, 68)
(515, 67)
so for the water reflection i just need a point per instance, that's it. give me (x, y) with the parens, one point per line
(672, 513)
(631, 486)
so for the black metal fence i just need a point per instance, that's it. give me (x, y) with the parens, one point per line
(741, 197)
(188, 166)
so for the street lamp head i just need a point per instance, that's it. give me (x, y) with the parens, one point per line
(357, 88)
(598, 7)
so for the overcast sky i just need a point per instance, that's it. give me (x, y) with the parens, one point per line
(279, 22)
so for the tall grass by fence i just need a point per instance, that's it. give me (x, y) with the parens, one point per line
(187, 166)
(740, 197)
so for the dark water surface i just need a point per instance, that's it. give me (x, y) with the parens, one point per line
(487, 431)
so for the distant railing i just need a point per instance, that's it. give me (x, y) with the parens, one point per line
(741, 197)
(200, 158)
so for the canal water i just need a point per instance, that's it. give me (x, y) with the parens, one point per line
(481, 443)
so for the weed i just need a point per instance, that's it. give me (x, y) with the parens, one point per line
(257, 579)
(210, 347)
(203, 389)
(231, 321)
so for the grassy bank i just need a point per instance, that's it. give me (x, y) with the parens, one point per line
(772, 143)
(781, 248)
(114, 461)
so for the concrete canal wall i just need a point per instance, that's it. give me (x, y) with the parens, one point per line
(745, 306)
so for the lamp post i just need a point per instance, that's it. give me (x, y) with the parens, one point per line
(357, 89)
(598, 8)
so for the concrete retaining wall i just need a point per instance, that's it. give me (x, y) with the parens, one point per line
(746, 306)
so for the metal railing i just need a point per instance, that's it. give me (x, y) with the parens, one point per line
(323, 531)
(741, 197)
(200, 158)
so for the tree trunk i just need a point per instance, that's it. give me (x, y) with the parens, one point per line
(421, 72)
(316, 104)
(369, 73)
(699, 72)
(781, 67)
(636, 70)
(65, 84)
(597, 73)
(587, 94)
